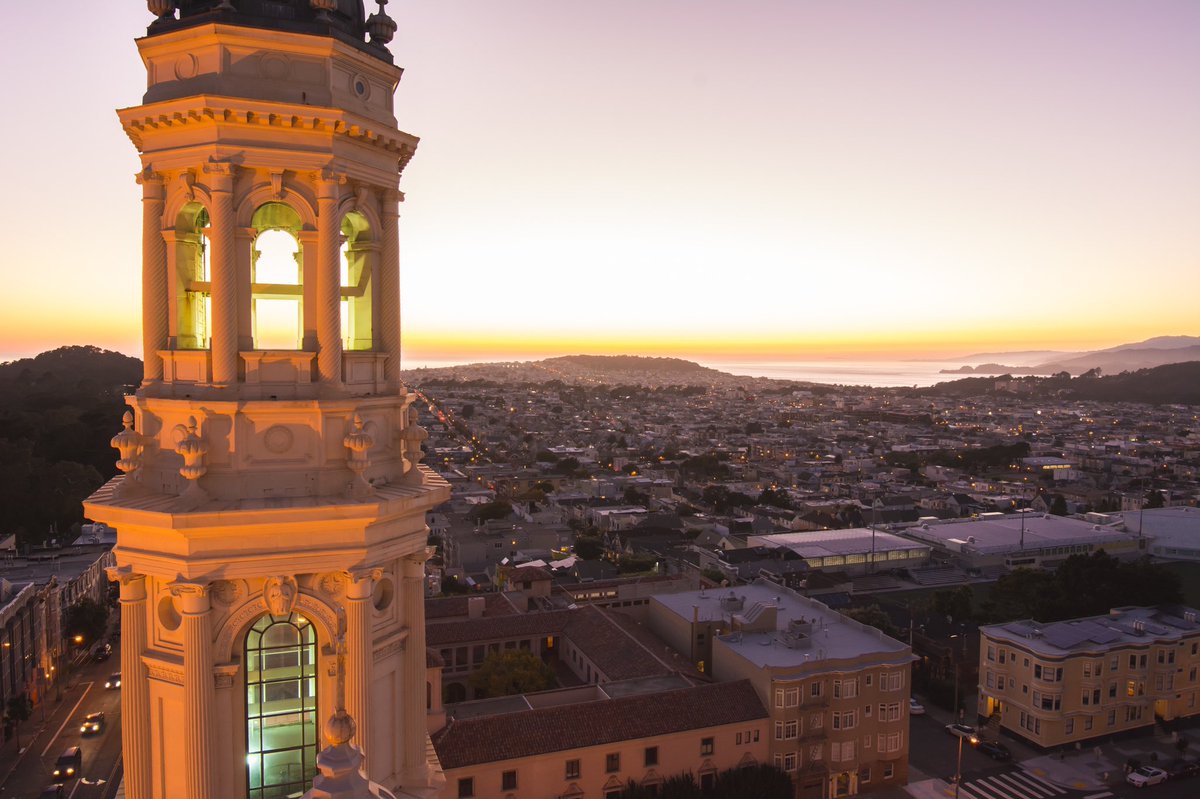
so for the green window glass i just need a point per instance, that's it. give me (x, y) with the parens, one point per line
(281, 707)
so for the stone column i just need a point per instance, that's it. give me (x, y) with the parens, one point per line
(360, 653)
(389, 286)
(198, 695)
(223, 261)
(154, 276)
(415, 770)
(329, 281)
(135, 688)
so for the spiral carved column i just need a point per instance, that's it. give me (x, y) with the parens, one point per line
(389, 286)
(329, 281)
(224, 275)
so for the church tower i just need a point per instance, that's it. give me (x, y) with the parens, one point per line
(271, 510)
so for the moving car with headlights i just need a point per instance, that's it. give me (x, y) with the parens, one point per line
(993, 749)
(93, 724)
(68, 764)
(915, 708)
(113, 681)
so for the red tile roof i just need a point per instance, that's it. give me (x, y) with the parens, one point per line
(467, 742)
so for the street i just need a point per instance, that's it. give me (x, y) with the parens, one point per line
(101, 752)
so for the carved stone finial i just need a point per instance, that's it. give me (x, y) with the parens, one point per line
(161, 8)
(129, 443)
(323, 8)
(381, 27)
(358, 441)
(413, 436)
(193, 449)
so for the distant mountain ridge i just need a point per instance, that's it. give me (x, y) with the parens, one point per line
(1156, 351)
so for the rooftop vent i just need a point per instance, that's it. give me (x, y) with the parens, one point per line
(1139, 626)
(1189, 615)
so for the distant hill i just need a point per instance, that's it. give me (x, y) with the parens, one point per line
(625, 364)
(74, 364)
(1157, 351)
(1169, 384)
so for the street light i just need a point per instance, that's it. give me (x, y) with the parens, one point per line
(958, 768)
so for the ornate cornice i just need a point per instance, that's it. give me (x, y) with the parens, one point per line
(204, 111)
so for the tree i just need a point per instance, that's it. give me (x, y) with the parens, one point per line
(954, 602)
(515, 671)
(499, 509)
(589, 547)
(873, 616)
(1058, 505)
(777, 499)
(1154, 499)
(86, 619)
(17, 710)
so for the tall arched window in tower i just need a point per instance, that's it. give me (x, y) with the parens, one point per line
(281, 707)
(192, 287)
(357, 254)
(276, 288)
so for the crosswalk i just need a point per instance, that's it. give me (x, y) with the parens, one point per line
(1018, 784)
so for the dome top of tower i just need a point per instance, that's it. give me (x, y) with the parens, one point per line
(341, 19)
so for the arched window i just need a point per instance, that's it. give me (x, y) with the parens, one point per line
(357, 330)
(192, 286)
(281, 707)
(276, 281)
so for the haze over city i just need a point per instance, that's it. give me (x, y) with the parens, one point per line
(713, 180)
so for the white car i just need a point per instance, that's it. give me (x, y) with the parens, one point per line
(962, 731)
(915, 708)
(1146, 775)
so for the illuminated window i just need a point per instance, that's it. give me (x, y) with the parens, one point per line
(193, 301)
(281, 706)
(276, 289)
(356, 257)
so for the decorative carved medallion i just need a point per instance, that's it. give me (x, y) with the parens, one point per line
(279, 594)
(226, 592)
(278, 439)
(333, 584)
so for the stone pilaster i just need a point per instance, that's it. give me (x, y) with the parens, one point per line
(389, 285)
(198, 696)
(329, 281)
(359, 653)
(135, 688)
(415, 770)
(224, 268)
(154, 276)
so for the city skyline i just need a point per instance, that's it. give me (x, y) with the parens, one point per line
(796, 181)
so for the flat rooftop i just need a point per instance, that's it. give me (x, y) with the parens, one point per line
(823, 543)
(1167, 526)
(833, 637)
(1003, 533)
(1128, 626)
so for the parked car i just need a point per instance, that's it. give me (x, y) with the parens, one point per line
(113, 681)
(993, 749)
(54, 791)
(1182, 770)
(93, 724)
(1146, 775)
(961, 730)
(68, 763)
(102, 652)
(915, 708)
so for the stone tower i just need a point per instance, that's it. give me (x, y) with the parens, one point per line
(271, 510)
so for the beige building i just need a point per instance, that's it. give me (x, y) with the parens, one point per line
(837, 691)
(1069, 681)
(590, 742)
(271, 507)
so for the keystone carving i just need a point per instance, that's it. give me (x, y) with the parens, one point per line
(279, 595)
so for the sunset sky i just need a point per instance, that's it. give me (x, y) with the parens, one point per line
(756, 179)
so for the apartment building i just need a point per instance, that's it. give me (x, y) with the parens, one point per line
(836, 690)
(1069, 681)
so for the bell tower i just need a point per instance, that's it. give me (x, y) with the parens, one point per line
(271, 506)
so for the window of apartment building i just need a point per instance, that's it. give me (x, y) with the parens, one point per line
(1192, 674)
(1003, 657)
(844, 721)
(572, 770)
(707, 745)
(866, 711)
(845, 689)
(466, 787)
(708, 779)
(613, 793)
(815, 689)
(1026, 662)
(991, 652)
(1133, 713)
(841, 751)
(1031, 723)
(789, 761)
(892, 681)
(1194, 648)
(1166, 656)
(1112, 717)
(867, 681)
(508, 780)
(864, 775)
(867, 739)
(779, 731)
(1087, 723)
(791, 730)
(889, 771)
(793, 697)
(1112, 690)
(991, 680)
(1047, 673)
(889, 712)
(612, 762)
(1069, 726)
(1114, 663)
(652, 755)
(1012, 683)
(1087, 668)
(816, 721)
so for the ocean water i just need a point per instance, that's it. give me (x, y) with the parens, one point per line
(884, 374)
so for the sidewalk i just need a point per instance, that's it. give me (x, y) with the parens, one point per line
(32, 731)
(1102, 766)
